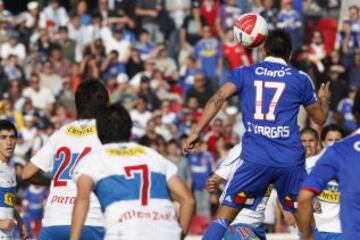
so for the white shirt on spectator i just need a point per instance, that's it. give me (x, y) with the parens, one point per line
(41, 98)
(110, 43)
(140, 120)
(18, 50)
(58, 16)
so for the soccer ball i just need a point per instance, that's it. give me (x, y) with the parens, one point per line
(250, 30)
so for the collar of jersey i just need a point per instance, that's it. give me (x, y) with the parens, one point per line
(275, 60)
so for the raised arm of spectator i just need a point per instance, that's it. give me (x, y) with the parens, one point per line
(212, 107)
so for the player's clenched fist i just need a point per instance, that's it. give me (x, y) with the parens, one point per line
(324, 91)
(190, 142)
(213, 182)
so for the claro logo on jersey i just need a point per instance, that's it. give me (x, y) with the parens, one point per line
(135, 151)
(272, 73)
(80, 132)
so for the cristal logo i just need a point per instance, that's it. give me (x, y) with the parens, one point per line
(272, 73)
(357, 146)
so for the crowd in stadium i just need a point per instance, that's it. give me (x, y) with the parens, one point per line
(162, 59)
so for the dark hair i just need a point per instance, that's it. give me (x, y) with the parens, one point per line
(8, 126)
(278, 44)
(91, 97)
(331, 128)
(63, 29)
(114, 125)
(311, 131)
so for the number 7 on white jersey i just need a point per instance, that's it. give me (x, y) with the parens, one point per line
(259, 85)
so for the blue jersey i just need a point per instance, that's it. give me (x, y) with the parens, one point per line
(270, 94)
(341, 162)
(201, 165)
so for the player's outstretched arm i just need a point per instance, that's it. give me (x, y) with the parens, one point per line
(319, 111)
(182, 194)
(29, 171)
(212, 107)
(84, 187)
(305, 213)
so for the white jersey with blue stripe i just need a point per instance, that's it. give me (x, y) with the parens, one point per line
(63, 151)
(226, 170)
(7, 195)
(131, 184)
(329, 219)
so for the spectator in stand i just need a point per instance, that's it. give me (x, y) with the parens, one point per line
(289, 20)
(217, 129)
(210, 9)
(208, 54)
(82, 12)
(311, 8)
(67, 45)
(148, 94)
(201, 90)
(50, 79)
(40, 96)
(34, 202)
(354, 16)
(150, 136)
(355, 70)
(167, 116)
(234, 53)
(135, 64)
(111, 67)
(347, 41)
(66, 97)
(173, 153)
(317, 51)
(12, 71)
(116, 42)
(228, 13)
(345, 108)
(53, 14)
(60, 65)
(13, 47)
(149, 10)
(166, 64)
(149, 68)
(4, 13)
(146, 47)
(269, 13)
(178, 10)
(140, 117)
(29, 17)
(190, 32)
(187, 73)
(201, 167)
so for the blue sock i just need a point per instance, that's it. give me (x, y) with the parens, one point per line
(216, 229)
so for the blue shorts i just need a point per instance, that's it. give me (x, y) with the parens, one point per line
(251, 180)
(242, 231)
(63, 232)
(330, 236)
